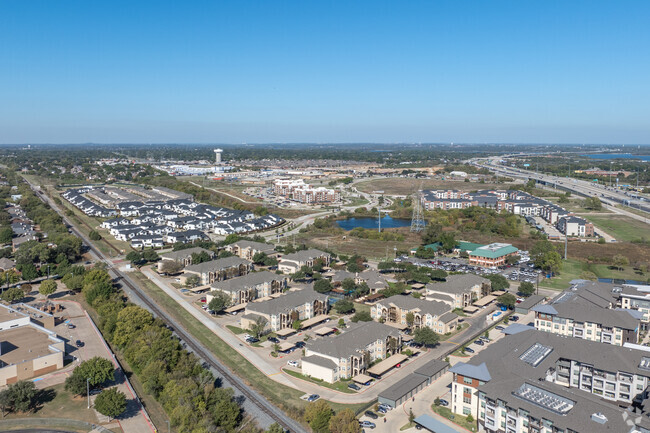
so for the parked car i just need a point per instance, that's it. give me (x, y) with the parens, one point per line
(371, 414)
(80, 343)
(300, 344)
(354, 386)
(313, 397)
(71, 326)
(382, 410)
(273, 340)
(384, 406)
(479, 342)
(469, 350)
(514, 318)
(499, 328)
(367, 424)
(252, 340)
(293, 363)
(444, 402)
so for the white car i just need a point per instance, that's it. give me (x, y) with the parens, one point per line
(292, 363)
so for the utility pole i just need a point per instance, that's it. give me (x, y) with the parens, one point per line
(566, 241)
(88, 391)
(379, 221)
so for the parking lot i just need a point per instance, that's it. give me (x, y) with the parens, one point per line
(523, 271)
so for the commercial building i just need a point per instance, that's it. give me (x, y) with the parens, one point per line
(433, 314)
(351, 352)
(537, 381)
(407, 388)
(492, 255)
(27, 350)
(459, 290)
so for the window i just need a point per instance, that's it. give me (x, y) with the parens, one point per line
(467, 400)
(467, 411)
(467, 380)
(467, 390)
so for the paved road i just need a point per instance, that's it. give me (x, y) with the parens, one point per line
(253, 403)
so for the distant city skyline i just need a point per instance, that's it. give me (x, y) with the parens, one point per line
(324, 72)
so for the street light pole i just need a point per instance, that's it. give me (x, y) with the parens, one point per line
(88, 391)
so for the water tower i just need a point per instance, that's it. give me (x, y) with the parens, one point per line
(217, 153)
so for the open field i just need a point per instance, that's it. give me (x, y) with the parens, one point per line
(277, 394)
(622, 227)
(408, 185)
(572, 269)
(370, 248)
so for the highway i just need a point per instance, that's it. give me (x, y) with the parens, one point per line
(607, 194)
(254, 403)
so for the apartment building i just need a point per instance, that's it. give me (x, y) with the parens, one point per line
(281, 312)
(217, 270)
(298, 190)
(460, 290)
(587, 321)
(291, 263)
(535, 381)
(351, 352)
(433, 314)
(182, 257)
(575, 226)
(250, 287)
(247, 249)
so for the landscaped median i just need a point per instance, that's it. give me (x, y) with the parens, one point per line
(340, 386)
(282, 396)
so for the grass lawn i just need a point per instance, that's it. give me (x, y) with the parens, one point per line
(572, 269)
(341, 385)
(235, 329)
(280, 395)
(358, 306)
(456, 331)
(56, 402)
(458, 419)
(622, 227)
(407, 426)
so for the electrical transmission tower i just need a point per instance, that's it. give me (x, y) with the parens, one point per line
(417, 221)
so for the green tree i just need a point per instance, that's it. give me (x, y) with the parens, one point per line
(545, 256)
(12, 294)
(426, 336)
(219, 302)
(111, 403)
(192, 281)
(322, 286)
(507, 300)
(344, 306)
(410, 319)
(275, 428)
(5, 401)
(620, 261)
(134, 257)
(448, 241)
(170, 267)
(231, 239)
(344, 422)
(432, 233)
(201, 257)
(6, 234)
(318, 415)
(150, 256)
(129, 322)
(28, 272)
(47, 288)
(411, 416)
(526, 288)
(348, 285)
(361, 316)
(258, 326)
(94, 236)
(499, 282)
(23, 395)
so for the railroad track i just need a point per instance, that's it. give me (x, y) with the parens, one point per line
(236, 382)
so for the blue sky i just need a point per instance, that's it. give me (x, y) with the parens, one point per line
(324, 71)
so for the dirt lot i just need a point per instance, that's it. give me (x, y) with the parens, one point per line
(406, 186)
